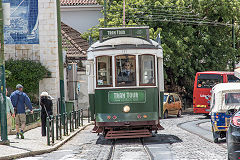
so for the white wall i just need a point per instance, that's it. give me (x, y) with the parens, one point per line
(81, 18)
(83, 94)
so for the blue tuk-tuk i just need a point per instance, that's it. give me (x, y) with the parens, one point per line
(224, 102)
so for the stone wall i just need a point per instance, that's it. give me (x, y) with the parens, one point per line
(49, 47)
(22, 51)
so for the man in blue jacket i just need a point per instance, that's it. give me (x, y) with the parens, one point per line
(19, 100)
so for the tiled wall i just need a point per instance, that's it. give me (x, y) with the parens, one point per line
(21, 26)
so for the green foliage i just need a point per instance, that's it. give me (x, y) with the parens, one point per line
(26, 72)
(189, 47)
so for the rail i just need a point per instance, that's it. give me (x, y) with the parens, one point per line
(62, 124)
(30, 118)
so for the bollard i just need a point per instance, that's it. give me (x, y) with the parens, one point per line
(60, 126)
(57, 127)
(78, 118)
(70, 122)
(48, 130)
(81, 117)
(75, 119)
(52, 130)
(88, 115)
(64, 124)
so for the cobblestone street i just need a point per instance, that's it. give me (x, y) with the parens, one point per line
(170, 143)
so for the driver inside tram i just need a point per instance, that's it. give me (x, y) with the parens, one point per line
(126, 76)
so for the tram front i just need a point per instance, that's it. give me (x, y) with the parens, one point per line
(125, 86)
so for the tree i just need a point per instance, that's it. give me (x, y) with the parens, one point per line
(196, 35)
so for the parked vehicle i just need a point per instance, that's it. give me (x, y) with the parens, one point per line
(204, 81)
(225, 97)
(126, 83)
(172, 105)
(233, 137)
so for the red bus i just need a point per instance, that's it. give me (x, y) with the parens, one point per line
(204, 81)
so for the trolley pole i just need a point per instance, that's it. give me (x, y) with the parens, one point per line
(3, 115)
(60, 60)
(105, 13)
(233, 39)
(124, 13)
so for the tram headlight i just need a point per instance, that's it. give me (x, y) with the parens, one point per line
(126, 109)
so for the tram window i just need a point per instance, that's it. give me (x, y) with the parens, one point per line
(126, 70)
(146, 63)
(104, 71)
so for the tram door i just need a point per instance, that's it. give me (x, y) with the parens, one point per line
(160, 85)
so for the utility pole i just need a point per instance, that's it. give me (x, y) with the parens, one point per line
(233, 39)
(60, 60)
(124, 13)
(105, 13)
(3, 115)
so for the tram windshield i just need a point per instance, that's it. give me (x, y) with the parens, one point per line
(232, 98)
(146, 63)
(126, 70)
(104, 68)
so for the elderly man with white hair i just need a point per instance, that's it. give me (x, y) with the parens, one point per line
(46, 109)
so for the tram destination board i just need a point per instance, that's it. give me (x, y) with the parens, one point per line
(131, 96)
(138, 32)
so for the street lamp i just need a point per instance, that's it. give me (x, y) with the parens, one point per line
(3, 112)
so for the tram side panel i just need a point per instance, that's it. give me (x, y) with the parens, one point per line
(91, 94)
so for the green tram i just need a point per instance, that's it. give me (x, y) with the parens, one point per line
(125, 83)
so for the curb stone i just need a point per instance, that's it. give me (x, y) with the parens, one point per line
(55, 147)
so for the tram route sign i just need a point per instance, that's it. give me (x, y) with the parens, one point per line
(130, 96)
(139, 32)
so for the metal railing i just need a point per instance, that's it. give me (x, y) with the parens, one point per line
(30, 118)
(61, 125)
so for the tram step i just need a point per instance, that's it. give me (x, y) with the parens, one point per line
(128, 134)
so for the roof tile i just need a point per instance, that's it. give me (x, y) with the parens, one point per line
(78, 2)
(75, 46)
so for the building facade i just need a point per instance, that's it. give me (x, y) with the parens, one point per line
(80, 14)
(30, 32)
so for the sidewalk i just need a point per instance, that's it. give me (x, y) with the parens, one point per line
(33, 143)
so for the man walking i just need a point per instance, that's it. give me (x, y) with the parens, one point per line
(19, 100)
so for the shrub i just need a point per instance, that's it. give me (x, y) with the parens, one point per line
(28, 73)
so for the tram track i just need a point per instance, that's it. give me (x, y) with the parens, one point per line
(129, 149)
(194, 130)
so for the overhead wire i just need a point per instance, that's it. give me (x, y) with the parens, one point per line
(188, 22)
(174, 16)
(175, 6)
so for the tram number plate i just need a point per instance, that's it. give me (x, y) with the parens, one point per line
(133, 96)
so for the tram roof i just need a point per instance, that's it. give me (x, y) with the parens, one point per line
(132, 44)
